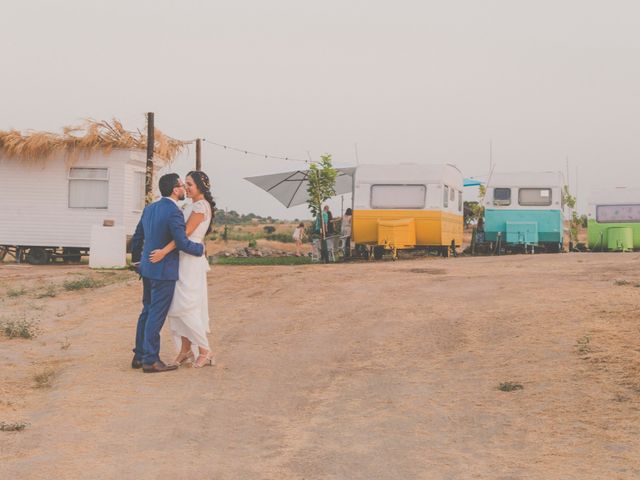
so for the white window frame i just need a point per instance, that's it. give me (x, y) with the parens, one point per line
(445, 198)
(501, 202)
(71, 178)
(376, 207)
(536, 204)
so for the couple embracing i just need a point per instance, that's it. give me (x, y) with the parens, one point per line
(174, 273)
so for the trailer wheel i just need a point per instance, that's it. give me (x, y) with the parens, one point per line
(38, 256)
(71, 255)
(378, 252)
(554, 247)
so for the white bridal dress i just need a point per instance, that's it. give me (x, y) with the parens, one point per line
(189, 311)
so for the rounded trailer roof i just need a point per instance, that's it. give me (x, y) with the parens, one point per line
(614, 196)
(408, 173)
(526, 179)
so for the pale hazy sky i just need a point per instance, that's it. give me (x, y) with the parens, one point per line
(408, 81)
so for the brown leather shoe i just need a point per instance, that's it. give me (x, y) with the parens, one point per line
(158, 367)
(135, 363)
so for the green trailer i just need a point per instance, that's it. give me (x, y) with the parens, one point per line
(614, 220)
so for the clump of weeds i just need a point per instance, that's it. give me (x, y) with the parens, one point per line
(45, 378)
(50, 291)
(16, 292)
(13, 426)
(21, 328)
(81, 283)
(509, 386)
(583, 345)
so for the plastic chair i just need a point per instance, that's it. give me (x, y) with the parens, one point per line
(316, 250)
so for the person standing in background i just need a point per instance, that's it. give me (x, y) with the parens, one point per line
(298, 236)
(345, 232)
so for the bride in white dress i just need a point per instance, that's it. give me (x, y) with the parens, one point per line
(189, 312)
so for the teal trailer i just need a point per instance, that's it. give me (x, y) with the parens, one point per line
(614, 220)
(525, 210)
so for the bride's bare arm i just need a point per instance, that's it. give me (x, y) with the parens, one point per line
(193, 221)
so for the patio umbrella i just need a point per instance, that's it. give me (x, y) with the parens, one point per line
(290, 188)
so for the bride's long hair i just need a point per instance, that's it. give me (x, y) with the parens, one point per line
(201, 180)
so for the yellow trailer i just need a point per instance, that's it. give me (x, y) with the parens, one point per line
(407, 206)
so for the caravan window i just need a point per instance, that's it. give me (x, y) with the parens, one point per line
(502, 196)
(618, 213)
(398, 196)
(459, 201)
(452, 194)
(446, 197)
(88, 188)
(535, 197)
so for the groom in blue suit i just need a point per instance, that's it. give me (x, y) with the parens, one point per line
(161, 222)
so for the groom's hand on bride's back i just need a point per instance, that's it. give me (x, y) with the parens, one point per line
(156, 256)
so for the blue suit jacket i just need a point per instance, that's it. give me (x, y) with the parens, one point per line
(161, 222)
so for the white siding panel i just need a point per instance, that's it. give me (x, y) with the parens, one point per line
(35, 201)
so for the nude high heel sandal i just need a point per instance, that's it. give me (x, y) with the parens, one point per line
(209, 361)
(183, 358)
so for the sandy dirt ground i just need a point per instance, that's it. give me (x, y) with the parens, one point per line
(385, 370)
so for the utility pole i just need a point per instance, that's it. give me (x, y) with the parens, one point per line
(148, 185)
(198, 154)
(490, 156)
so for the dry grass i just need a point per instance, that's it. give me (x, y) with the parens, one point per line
(13, 426)
(92, 135)
(510, 386)
(45, 378)
(21, 328)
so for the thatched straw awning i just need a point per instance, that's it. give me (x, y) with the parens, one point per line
(91, 136)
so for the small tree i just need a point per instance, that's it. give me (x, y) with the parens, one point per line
(575, 221)
(321, 181)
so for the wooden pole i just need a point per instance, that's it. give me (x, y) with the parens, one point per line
(198, 154)
(148, 186)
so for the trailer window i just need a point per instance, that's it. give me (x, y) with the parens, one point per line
(139, 179)
(445, 199)
(88, 188)
(535, 197)
(618, 213)
(398, 196)
(459, 201)
(502, 196)
(452, 194)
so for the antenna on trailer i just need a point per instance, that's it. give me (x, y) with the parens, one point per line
(490, 156)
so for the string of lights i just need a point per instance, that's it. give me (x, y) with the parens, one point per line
(257, 154)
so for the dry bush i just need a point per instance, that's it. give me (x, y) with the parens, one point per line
(13, 426)
(45, 378)
(21, 328)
